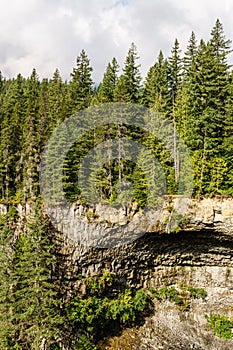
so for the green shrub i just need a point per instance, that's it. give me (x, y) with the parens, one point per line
(180, 297)
(197, 293)
(84, 343)
(99, 312)
(99, 284)
(221, 326)
(95, 312)
(169, 293)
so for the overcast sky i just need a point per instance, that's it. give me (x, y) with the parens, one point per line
(49, 34)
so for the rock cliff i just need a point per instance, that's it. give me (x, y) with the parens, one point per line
(186, 242)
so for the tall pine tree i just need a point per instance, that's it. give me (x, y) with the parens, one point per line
(108, 85)
(128, 88)
(81, 84)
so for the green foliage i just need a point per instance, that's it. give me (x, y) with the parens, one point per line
(196, 293)
(98, 285)
(165, 292)
(30, 304)
(99, 310)
(220, 325)
(90, 215)
(84, 343)
(6, 252)
(155, 91)
(195, 93)
(129, 82)
(107, 87)
(174, 73)
(11, 215)
(81, 85)
(181, 296)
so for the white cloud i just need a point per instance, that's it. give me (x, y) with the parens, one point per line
(49, 34)
(83, 29)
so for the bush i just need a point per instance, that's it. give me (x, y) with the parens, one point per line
(197, 293)
(180, 297)
(221, 326)
(167, 293)
(100, 312)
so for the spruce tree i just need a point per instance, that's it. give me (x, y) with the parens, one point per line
(10, 151)
(35, 304)
(155, 93)
(6, 254)
(1, 80)
(28, 165)
(220, 48)
(120, 92)
(190, 56)
(174, 73)
(174, 86)
(108, 85)
(220, 45)
(227, 146)
(128, 88)
(45, 126)
(13, 113)
(57, 91)
(206, 90)
(81, 84)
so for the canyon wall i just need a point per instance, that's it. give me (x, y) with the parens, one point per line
(184, 242)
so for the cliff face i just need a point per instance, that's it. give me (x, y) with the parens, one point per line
(185, 233)
(186, 242)
(197, 253)
(201, 239)
(105, 226)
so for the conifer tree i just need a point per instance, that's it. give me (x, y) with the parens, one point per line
(174, 73)
(6, 253)
(129, 84)
(13, 112)
(120, 92)
(206, 93)
(1, 78)
(11, 147)
(155, 93)
(44, 127)
(28, 177)
(220, 48)
(190, 56)
(174, 86)
(81, 84)
(35, 303)
(2, 81)
(108, 85)
(194, 93)
(57, 92)
(227, 146)
(219, 44)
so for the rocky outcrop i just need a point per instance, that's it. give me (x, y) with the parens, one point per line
(172, 329)
(169, 328)
(183, 241)
(190, 243)
(200, 234)
(181, 232)
(105, 226)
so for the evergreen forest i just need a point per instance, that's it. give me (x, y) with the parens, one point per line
(192, 89)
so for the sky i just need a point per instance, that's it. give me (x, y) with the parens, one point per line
(50, 34)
